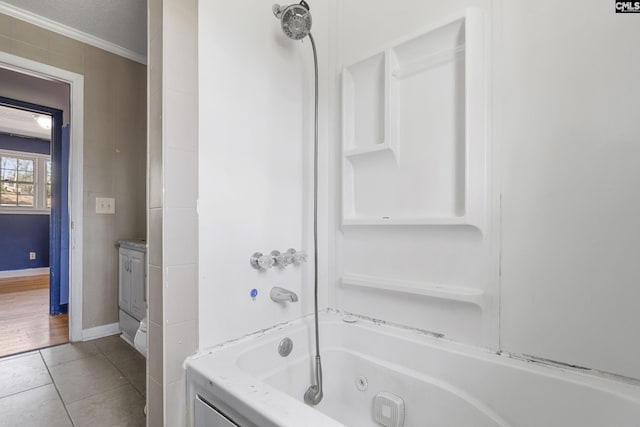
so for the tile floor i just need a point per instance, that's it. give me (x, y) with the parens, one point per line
(94, 383)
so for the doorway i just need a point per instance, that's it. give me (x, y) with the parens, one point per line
(74, 136)
(31, 211)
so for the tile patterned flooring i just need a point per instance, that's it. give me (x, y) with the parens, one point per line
(95, 383)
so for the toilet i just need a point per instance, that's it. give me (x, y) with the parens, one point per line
(140, 343)
(140, 340)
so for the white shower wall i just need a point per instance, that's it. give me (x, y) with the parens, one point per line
(451, 256)
(256, 175)
(568, 95)
(557, 260)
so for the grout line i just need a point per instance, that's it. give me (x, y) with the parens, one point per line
(500, 275)
(26, 390)
(125, 377)
(64, 405)
(121, 372)
(100, 353)
(18, 355)
(53, 383)
(29, 352)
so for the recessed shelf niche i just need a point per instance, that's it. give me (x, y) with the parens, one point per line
(414, 129)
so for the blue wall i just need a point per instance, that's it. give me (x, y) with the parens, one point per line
(21, 234)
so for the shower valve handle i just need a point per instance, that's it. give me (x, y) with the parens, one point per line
(298, 256)
(288, 257)
(266, 261)
(262, 262)
(279, 259)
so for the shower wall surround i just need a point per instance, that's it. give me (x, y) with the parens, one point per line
(553, 273)
(256, 164)
(566, 90)
(173, 220)
(528, 245)
(414, 118)
(416, 243)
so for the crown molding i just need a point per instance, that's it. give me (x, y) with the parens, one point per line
(56, 27)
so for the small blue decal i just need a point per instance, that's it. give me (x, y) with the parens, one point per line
(254, 294)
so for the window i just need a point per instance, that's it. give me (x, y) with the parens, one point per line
(25, 182)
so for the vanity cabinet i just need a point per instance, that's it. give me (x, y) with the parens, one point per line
(131, 283)
(132, 286)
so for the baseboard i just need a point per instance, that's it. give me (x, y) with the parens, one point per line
(100, 331)
(127, 340)
(24, 273)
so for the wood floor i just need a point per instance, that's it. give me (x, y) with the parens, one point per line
(25, 323)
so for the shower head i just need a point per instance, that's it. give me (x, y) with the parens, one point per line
(295, 19)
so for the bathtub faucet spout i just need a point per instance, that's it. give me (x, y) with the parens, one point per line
(279, 294)
(313, 395)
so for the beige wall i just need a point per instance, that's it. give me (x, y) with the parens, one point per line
(114, 151)
(32, 89)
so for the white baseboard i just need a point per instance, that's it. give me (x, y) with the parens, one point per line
(24, 273)
(100, 331)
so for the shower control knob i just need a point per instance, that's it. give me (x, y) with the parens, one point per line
(299, 257)
(278, 259)
(266, 261)
(288, 257)
(261, 262)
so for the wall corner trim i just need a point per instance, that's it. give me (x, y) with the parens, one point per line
(100, 331)
(56, 27)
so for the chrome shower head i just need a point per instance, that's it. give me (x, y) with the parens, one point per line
(295, 19)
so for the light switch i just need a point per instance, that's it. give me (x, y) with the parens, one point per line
(105, 205)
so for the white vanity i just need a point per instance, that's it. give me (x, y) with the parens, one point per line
(132, 295)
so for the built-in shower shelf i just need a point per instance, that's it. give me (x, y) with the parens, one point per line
(422, 64)
(414, 136)
(405, 221)
(424, 289)
(378, 148)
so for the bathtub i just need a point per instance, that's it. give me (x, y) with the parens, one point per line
(247, 383)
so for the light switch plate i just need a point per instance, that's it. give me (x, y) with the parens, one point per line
(105, 205)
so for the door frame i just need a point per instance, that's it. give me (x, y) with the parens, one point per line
(76, 142)
(55, 214)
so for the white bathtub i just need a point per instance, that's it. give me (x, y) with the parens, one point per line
(441, 383)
